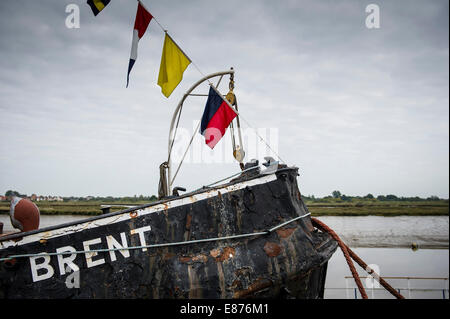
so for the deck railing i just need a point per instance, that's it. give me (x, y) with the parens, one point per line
(407, 290)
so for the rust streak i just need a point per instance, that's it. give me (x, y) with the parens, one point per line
(259, 284)
(188, 221)
(198, 258)
(285, 232)
(168, 256)
(237, 284)
(221, 280)
(223, 254)
(272, 249)
(184, 259)
(133, 214)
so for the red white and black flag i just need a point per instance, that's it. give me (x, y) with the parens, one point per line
(216, 118)
(143, 18)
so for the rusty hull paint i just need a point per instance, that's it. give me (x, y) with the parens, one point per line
(288, 263)
(285, 232)
(272, 249)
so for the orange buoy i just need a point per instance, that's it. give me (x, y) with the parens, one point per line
(24, 214)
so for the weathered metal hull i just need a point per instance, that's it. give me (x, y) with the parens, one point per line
(289, 262)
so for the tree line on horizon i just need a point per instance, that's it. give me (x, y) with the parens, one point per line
(336, 195)
(134, 198)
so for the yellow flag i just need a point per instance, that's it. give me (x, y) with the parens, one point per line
(173, 64)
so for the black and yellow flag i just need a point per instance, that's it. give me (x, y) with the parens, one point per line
(97, 5)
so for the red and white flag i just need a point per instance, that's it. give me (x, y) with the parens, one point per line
(143, 18)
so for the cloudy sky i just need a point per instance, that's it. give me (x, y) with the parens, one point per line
(360, 110)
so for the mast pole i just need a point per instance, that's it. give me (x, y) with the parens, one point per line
(174, 119)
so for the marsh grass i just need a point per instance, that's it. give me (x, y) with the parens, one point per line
(331, 208)
(90, 208)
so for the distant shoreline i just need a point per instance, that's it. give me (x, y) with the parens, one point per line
(317, 208)
(378, 210)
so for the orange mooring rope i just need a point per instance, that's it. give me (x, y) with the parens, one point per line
(350, 253)
(372, 272)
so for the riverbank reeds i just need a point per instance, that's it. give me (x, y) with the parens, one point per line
(331, 208)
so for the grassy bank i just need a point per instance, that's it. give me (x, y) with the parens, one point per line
(90, 208)
(332, 207)
(374, 207)
(382, 210)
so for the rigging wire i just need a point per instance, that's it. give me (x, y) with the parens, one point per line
(223, 98)
(187, 242)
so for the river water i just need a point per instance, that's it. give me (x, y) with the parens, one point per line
(384, 243)
(399, 231)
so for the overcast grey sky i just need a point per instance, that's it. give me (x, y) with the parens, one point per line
(357, 110)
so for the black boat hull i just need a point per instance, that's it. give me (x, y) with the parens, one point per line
(289, 262)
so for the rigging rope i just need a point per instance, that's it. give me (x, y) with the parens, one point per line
(185, 152)
(228, 177)
(263, 140)
(212, 85)
(266, 232)
(372, 272)
(174, 134)
(343, 247)
(349, 253)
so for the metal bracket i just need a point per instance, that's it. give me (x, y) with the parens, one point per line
(271, 164)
